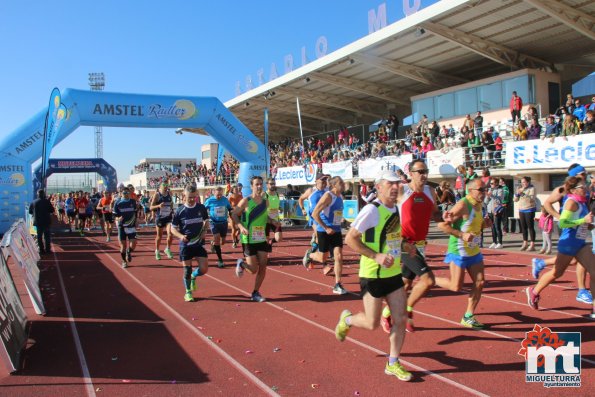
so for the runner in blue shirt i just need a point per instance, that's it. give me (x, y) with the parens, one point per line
(125, 214)
(162, 203)
(189, 224)
(219, 208)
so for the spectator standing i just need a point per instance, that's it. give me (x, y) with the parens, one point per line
(498, 146)
(546, 224)
(516, 104)
(487, 139)
(496, 211)
(41, 209)
(478, 122)
(525, 196)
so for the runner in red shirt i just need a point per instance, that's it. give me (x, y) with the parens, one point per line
(81, 203)
(417, 205)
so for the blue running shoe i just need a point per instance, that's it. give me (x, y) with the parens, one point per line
(584, 296)
(537, 267)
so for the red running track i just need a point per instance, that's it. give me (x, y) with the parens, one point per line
(116, 332)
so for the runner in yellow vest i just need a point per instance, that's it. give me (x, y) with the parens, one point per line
(376, 236)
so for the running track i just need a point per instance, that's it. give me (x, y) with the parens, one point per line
(116, 332)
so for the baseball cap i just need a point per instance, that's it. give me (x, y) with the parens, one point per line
(390, 176)
(322, 176)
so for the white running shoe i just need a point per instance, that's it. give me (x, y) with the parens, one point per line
(498, 246)
(492, 246)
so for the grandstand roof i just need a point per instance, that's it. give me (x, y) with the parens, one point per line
(445, 44)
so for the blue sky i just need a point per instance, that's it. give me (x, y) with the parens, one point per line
(185, 48)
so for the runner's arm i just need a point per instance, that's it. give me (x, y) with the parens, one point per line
(456, 213)
(324, 202)
(353, 239)
(554, 197)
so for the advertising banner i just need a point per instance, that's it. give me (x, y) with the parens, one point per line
(371, 168)
(12, 320)
(445, 163)
(15, 177)
(540, 154)
(344, 169)
(297, 176)
(22, 249)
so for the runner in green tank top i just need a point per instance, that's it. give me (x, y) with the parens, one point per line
(376, 236)
(273, 210)
(251, 217)
(464, 223)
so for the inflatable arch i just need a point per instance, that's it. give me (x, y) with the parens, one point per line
(20, 149)
(71, 166)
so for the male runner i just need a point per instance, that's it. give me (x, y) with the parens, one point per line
(328, 215)
(218, 207)
(313, 194)
(105, 207)
(417, 205)
(273, 210)
(94, 199)
(81, 203)
(70, 205)
(125, 214)
(558, 195)
(251, 218)
(464, 223)
(189, 224)
(161, 202)
(376, 236)
(234, 199)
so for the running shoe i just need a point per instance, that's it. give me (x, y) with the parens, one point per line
(386, 321)
(471, 322)
(235, 244)
(108, 239)
(342, 328)
(399, 371)
(128, 256)
(409, 324)
(256, 297)
(168, 252)
(188, 296)
(124, 265)
(306, 259)
(498, 246)
(193, 284)
(532, 298)
(314, 247)
(492, 246)
(339, 290)
(212, 247)
(537, 266)
(157, 255)
(239, 268)
(220, 264)
(584, 296)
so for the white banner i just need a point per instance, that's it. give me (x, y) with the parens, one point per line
(297, 176)
(371, 168)
(539, 154)
(344, 169)
(445, 163)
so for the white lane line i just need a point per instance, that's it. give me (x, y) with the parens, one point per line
(264, 387)
(355, 341)
(77, 341)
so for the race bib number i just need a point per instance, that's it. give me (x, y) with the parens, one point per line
(257, 233)
(273, 213)
(82, 211)
(129, 230)
(220, 212)
(582, 231)
(106, 209)
(165, 211)
(475, 243)
(393, 242)
(337, 218)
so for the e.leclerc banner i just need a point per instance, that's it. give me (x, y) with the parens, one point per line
(539, 154)
(297, 176)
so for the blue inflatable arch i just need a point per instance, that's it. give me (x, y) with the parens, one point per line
(20, 149)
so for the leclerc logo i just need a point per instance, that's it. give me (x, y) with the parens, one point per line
(311, 172)
(552, 358)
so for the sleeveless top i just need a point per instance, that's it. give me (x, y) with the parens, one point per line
(332, 216)
(472, 224)
(416, 211)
